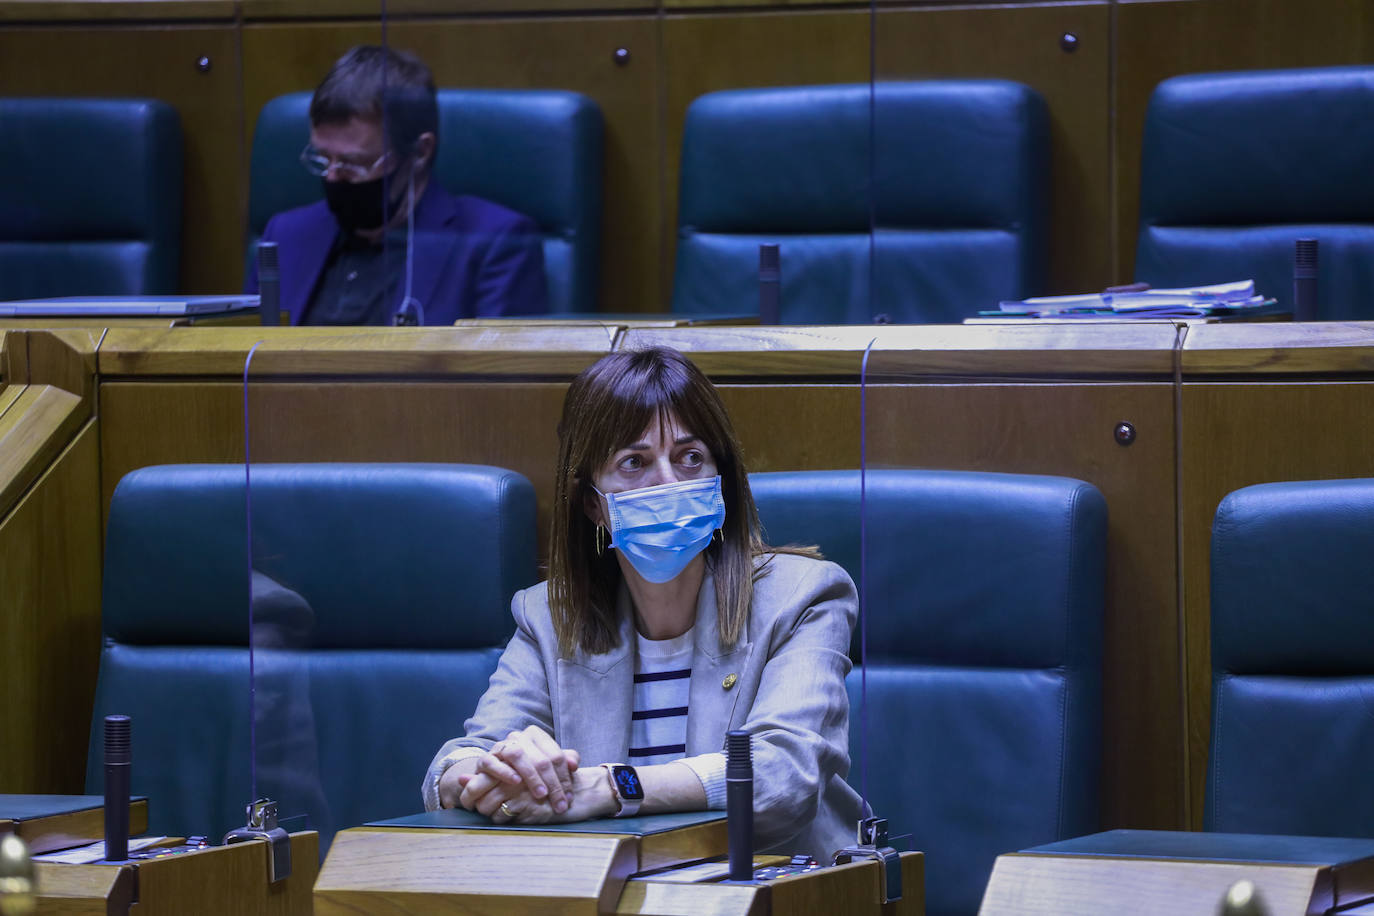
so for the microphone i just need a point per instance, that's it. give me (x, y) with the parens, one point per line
(1305, 280)
(770, 285)
(739, 803)
(411, 313)
(269, 285)
(118, 762)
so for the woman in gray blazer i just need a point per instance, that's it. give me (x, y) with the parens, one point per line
(666, 621)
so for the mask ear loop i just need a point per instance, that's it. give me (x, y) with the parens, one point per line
(603, 531)
(411, 311)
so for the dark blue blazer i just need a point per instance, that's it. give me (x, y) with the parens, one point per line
(473, 258)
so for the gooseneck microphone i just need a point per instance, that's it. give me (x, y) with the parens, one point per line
(739, 804)
(269, 285)
(118, 762)
(1305, 280)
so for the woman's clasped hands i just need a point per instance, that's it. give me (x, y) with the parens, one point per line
(527, 778)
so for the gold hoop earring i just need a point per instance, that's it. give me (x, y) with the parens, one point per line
(600, 540)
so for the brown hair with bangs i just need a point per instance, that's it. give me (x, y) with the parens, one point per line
(606, 409)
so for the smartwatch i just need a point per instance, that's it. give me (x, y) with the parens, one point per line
(629, 791)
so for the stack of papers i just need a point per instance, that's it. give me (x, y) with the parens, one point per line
(94, 852)
(1230, 299)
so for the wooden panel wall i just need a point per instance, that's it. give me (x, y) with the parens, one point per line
(50, 624)
(49, 560)
(1157, 39)
(1235, 434)
(510, 425)
(1066, 429)
(157, 61)
(678, 49)
(1023, 43)
(705, 53)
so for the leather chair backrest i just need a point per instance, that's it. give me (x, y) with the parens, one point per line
(958, 194)
(381, 601)
(1236, 166)
(535, 151)
(92, 199)
(976, 726)
(1293, 660)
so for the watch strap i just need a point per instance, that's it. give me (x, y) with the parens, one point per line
(629, 807)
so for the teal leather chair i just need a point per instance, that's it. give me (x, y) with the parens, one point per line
(976, 728)
(958, 200)
(380, 602)
(92, 198)
(1293, 660)
(535, 151)
(1236, 166)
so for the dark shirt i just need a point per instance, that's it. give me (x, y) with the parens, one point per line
(359, 283)
(471, 258)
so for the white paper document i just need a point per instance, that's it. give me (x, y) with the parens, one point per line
(85, 855)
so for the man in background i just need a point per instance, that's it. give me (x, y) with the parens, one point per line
(387, 244)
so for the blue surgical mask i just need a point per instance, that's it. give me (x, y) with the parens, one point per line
(660, 529)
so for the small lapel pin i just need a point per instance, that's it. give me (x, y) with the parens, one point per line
(729, 681)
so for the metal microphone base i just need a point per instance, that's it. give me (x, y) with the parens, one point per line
(262, 825)
(873, 845)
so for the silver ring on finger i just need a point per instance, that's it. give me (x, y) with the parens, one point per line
(505, 809)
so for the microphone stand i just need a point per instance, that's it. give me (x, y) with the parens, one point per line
(262, 825)
(873, 845)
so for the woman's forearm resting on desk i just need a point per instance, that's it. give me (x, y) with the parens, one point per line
(667, 787)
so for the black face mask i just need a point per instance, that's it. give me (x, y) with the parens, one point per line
(362, 205)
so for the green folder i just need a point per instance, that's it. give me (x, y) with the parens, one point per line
(28, 807)
(459, 818)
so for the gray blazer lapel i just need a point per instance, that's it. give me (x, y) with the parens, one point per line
(710, 702)
(595, 691)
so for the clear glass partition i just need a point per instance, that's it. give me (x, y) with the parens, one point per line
(992, 159)
(766, 159)
(542, 190)
(607, 211)
(1021, 589)
(362, 662)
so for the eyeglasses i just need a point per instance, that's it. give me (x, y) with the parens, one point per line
(320, 165)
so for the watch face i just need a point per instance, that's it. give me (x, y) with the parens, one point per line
(627, 781)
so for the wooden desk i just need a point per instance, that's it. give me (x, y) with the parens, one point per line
(623, 321)
(1146, 872)
(389, 869)
(219, 881)
(50, 822)
(49, 558)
